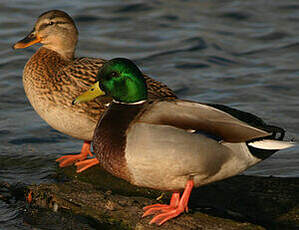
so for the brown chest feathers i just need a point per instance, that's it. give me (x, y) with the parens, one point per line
(109, 140)
(43, 67)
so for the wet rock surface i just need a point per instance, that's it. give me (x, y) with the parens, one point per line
(96, 200)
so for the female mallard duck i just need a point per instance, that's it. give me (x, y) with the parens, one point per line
(149, 143)
(53, 77)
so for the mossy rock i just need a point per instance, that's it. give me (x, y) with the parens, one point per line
(106, 202)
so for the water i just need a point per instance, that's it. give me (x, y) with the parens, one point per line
(239, 53)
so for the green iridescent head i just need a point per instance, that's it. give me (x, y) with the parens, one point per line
(119, 78)
(122, 79)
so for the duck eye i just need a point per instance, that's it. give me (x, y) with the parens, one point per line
(51, 23)
(113, 74)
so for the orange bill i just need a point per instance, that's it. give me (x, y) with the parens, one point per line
(27, 41)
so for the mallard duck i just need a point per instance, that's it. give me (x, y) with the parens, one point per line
(53, 77)
(172, 144)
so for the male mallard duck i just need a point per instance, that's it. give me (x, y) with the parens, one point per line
(53, 77)
(148, 142)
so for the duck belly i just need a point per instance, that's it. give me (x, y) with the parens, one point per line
(61, 116)
(165, 158)
(74, 124)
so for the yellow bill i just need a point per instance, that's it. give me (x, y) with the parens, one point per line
(92, 93)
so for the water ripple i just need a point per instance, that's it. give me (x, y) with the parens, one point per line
(199, 45)
(236, 15)
(138, 7)
(191, 66)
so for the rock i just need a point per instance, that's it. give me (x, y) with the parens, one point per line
(95, 199)
(241, 202)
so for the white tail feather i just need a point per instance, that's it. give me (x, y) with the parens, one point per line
(271, 144)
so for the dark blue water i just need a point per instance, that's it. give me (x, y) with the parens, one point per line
(243, 54)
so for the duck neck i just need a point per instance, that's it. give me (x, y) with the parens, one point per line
(66, 53)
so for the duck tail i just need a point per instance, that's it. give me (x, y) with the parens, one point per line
(268, 144)
(262, 148)
(277, 132)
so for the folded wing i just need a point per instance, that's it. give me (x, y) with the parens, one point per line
(203, 117)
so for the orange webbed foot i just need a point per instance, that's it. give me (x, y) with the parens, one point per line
(83, 165)
(71, 159)
(176, 207)
(162, 218)
(161, 208)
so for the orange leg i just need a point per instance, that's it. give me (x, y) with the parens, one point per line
(70, 159)
(83, 165)
(176, 207)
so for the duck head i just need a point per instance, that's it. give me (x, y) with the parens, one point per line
(119, 78)
(54, 29)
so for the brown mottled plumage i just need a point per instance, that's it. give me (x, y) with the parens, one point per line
(52, 78)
